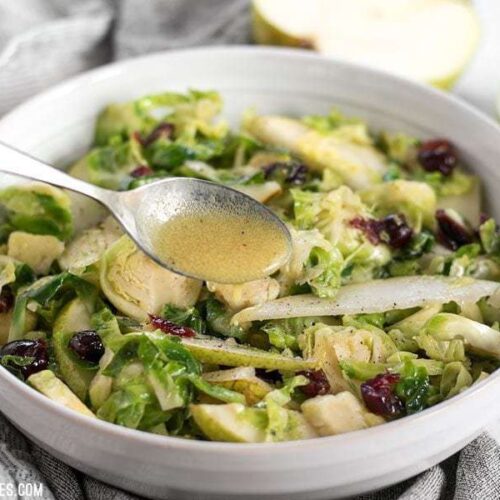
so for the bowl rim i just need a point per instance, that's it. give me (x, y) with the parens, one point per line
(168, 442)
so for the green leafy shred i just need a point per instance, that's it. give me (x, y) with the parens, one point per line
(415, 388)
(284, 333)
(190, 317)
(37, 209)
(50, 294)
(219, 320)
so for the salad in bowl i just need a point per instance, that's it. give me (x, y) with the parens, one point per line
(389, 303)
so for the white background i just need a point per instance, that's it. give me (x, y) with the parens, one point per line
(480, 84)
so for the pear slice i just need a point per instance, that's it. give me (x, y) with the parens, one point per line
(234, 423)
(237, 423)
(226, 352)
(330, 415)
(74, 317)
(478, 338)
(241, 379)
(48, 384)
(427, 40)
(358, 165)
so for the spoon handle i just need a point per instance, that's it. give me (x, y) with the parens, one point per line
(18, 163)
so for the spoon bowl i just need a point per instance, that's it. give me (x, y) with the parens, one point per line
(144, 210)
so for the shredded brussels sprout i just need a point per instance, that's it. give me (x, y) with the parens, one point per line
(388, 304)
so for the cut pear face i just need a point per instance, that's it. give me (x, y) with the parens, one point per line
(220, 352)
(331, 415)
(427, 40)
(231, 423)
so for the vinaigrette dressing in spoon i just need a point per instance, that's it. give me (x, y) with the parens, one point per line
(221, 247)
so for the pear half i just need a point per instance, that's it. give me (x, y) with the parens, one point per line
(426, 40)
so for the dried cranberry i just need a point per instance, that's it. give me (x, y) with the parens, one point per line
(370, 227)
(438, 155)
(141, 171)
(398, 232)
(297, 174)
(392, 230)
(162, 131)
(167, 326)
(6, 300)
(452, 233)
(87, 345)
(378, 395)
(293, 173)
(35, 349)
(318, 383)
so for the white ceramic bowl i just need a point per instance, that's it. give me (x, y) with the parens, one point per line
(57, 126)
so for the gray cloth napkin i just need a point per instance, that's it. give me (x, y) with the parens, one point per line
(45, 41)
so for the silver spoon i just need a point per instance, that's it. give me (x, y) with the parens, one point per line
(141, 210)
